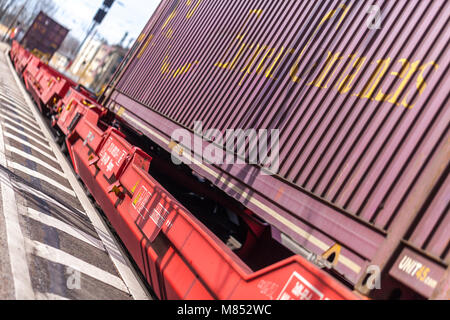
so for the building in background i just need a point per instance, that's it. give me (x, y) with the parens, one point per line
(60, 62)
(108, 67)
(96, 63)
(86, 56)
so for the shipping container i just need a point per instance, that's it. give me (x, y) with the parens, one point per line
(44, 37)
(188, 240)
(352, 100)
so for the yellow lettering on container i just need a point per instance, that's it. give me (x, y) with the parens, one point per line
(193, 10)
(268, 55)
(171, 16)
(345, 83)
(328, 16)
(375, 79)
(330, 62)
(144, 47)
(421, 84)
(240, 37)
(274, 67)
(247, 68)
(406, 73)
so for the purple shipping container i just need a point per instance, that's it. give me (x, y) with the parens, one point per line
(45, 36)
(358, 93)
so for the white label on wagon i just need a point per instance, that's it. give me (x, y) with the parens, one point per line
(160, 215)
(142, 199)
(298, 288)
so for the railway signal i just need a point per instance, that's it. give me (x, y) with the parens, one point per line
(98, 18)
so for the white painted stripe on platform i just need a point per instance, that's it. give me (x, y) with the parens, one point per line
(33, 125)
(46, 198)
(136, 286)
(35, 160)
(22, 110)
(40, 176)
(23, 289)
(29, 145)
(23, 125)
(15, 108)
(20, 113)
(39, 142)
(14, 101)
(27, 119)
(60, 257)
(11, 116)
(62, 226)
(49, 297)
(12, 97)
(10, 89)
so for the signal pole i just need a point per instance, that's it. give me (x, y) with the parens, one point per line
(5, 37)
(98, 19)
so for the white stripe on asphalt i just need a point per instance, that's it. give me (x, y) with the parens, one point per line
(40, 176)
(17, 117)
(35, 160)
(9, 88)
(22, 110)
(39, 142)
(60, 257)
(23, 289)
(29, 145)
(12, 92)
(12, 98)
(16, 107)
(19, 112)
(17, 100)
(39, 194)
(62, 226)
(11, 116)
(137, 287)
(49, 297)
(14, 102)
(27, 128)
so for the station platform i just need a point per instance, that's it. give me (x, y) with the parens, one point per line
(54, 245)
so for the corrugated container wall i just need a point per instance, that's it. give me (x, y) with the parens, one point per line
(359, 93)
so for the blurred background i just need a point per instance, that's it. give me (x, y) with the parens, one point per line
(100, 33)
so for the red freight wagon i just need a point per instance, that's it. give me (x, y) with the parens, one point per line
(15, 50)
(46, 85)
(178, 255)
(54, 86)
(74, 105)
(349, 101)
(32, 75)
(22, 60)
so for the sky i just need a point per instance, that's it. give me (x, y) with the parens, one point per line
(125, 15)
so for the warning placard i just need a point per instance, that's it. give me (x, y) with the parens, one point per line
(298, 288)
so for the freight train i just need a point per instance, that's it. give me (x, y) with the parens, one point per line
(294, 150)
